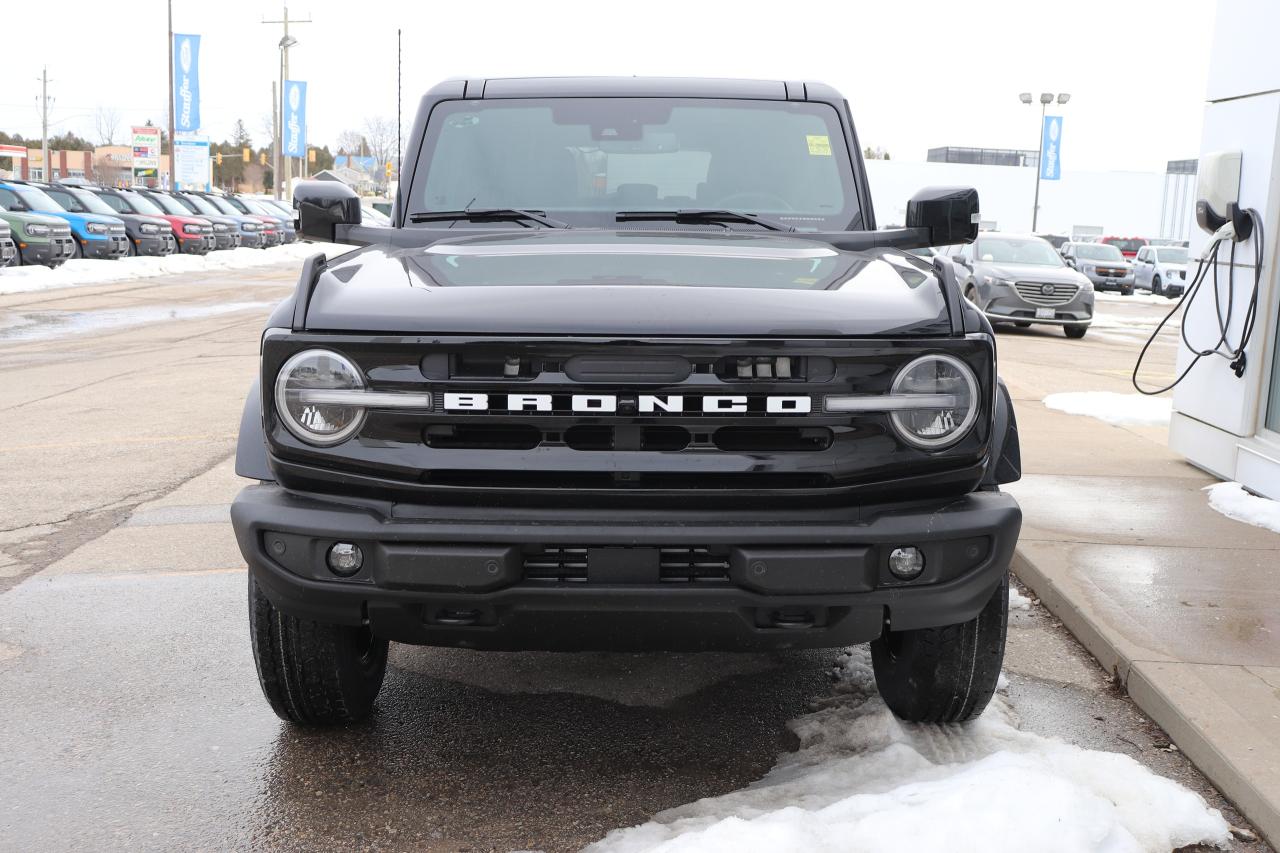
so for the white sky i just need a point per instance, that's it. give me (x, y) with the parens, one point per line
(918, 73)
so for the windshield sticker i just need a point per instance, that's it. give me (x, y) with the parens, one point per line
(819, 145)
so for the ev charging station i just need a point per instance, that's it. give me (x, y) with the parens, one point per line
(1226, 411)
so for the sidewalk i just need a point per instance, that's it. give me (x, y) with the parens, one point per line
(1179, 602)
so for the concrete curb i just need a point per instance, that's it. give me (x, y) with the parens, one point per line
(1223, 744)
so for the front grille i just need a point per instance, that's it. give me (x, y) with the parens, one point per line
(568, 564)
(1032, 292)
(1113, 272)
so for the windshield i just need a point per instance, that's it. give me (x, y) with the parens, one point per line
(186, 202)
(169, 205)
(37, 200)
(201, 204)
(584, 159)
(1098, 252)
(1012, 250)
(1126, 244)
(1172, 256)
(258, 209)
(142, 204)
(223, 205)
(91, 202)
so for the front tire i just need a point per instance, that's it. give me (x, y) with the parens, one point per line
(1075, 332)
(1156, 287)
(314, 673)
(946, 674)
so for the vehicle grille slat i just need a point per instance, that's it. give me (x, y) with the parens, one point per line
(1031, 292)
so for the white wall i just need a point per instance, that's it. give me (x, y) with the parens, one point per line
(1122, 203)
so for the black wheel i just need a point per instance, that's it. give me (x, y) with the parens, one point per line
(76, 251)
(947, 674)
(133, 249)
(1076, 332)
(1156, 287)
(1022, 325)
(1126, 291)
(314, 673)
(971, 293)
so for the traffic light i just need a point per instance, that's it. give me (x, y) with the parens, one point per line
(311, 155)
(262, 158)
(244, 153)
(388, 170)
(218, 158)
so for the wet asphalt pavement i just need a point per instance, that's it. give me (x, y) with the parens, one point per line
(130, 715)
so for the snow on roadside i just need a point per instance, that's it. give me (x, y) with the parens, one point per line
(85, 272)
(1018, 601)
(1138, 297)
(1118, 409)
(1233, 501)
(862, 780)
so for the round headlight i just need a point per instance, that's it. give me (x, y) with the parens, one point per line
(313, 420)
(946, 377)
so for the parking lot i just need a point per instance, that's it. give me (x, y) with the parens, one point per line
(133, 716)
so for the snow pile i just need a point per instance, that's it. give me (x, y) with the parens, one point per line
(1233, 501)
(1118, 409)
(1138, 297)
(82, 272)
(864, 781)
(1018, 601)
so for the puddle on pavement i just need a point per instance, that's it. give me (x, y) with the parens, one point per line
(44, 325)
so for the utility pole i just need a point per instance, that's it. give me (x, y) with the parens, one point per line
(286, 42)
(47, 172)
(170, 110)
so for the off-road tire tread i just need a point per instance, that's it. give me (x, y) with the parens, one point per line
(946, 674)
(310, 671)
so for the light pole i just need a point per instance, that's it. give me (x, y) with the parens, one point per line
(287, 41)
(1046, 98)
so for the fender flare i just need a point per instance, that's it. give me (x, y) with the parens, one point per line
(252, 459)
(1005, 462)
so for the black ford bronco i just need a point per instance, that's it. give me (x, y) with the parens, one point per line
(632, 368)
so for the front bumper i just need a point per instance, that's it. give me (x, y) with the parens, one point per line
(224, 240)
(54, 251)
(1122, 284)
(251, 239)
(154, 244)
(1012, 308)
(461, 576)
(115, 246)
(196, 244)
(8, 251)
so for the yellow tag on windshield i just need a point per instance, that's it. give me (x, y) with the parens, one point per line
(819, 146)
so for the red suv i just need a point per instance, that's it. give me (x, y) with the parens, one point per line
(1128, 246)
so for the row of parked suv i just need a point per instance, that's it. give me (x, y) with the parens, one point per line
(50, 223)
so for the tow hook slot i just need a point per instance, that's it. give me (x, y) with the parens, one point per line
(457, 616)
(793, 618)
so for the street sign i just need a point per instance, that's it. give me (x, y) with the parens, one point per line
(295, 118)
(146, 152)
(191, 163)
(1051, 149)
(186, 83)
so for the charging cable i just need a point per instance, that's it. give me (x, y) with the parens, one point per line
(1249, 225)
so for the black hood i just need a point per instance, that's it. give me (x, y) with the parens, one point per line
(632, 283)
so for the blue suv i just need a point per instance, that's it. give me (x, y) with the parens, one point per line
(96, 235)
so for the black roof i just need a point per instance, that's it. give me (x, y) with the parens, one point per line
(636, 87)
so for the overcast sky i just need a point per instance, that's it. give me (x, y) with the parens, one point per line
(917, 74)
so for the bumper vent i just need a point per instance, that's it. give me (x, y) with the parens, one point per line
(676, 564)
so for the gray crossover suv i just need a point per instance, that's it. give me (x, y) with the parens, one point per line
(1020, 279)
(1103, 264)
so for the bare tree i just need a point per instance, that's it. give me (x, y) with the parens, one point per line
(107, 123)
(380, 133)
(351, 143)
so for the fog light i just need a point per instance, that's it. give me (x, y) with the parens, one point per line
(345, 559)
(906, 563)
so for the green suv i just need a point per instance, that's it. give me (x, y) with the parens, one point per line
(41, 239)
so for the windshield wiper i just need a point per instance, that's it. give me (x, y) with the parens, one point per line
(489, 214)
(693, 217)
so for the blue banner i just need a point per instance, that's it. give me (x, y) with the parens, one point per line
(295, 118)
(186, 83)
(1051, 149)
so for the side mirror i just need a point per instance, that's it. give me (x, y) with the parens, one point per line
(322, 205)
(949, 213)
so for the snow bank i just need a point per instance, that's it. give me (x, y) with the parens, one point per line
(1018, 601)
(83, 272)
(864, 781)
(1138, 297)
(1119, 409)
(1233, 501)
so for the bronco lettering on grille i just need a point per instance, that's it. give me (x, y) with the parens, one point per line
(645, 404)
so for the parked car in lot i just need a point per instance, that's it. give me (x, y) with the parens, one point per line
(94, 235)
(247, 229)
(1020, 279)
(148, 228)
(1057, 241)
(194, 233)
(284, 222)
(8, 248)
(258, 232)
(1162, 269)
(1104, 264)
(147, 234)
(226, 230)
(41, 238)
(1128, 246)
